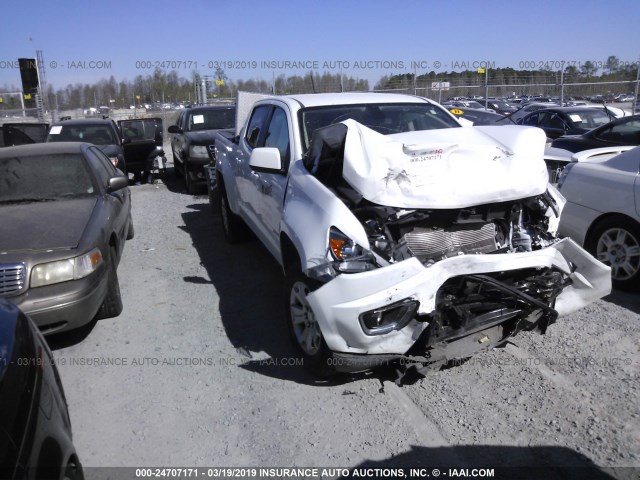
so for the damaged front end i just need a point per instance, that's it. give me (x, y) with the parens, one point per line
(427, 282)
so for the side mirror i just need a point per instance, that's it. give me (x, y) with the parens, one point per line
(266, 159)
(174, 129)
(117, 183)
(126, 141)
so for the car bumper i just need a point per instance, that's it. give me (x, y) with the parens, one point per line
(338, 304)
(197, 170)
(64, 306)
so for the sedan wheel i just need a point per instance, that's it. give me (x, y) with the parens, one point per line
(616, 243)
(619, 249)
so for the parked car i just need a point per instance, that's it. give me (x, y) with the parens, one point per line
(464, 104)
(402, 236)
(477, 116)
(192, 135)
(559, 121)
(102, 132)
(36, 440)
(498, 106)
(620, 132)
(525, 110)
(65, 213)
(602, 192)
(12, 134)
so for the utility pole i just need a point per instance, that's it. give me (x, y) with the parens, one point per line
(635, 96)
(562, 85)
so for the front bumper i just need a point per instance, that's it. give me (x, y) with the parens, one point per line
(338, 304)
(196, 169)
(64, 306)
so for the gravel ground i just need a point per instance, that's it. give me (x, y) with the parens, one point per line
(198, 371)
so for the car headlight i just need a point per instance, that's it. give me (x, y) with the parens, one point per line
(391, 317)
(349, 257)
(65, 270)
(198, 151)
(564, 173)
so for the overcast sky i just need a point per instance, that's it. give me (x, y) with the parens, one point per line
(83, 41)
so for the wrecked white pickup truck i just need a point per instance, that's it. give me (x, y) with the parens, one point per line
(404, 237)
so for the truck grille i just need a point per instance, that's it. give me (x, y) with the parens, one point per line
(12, 278)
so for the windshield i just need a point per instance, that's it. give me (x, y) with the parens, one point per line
(44, 177)
(383, 118)
(96, 134)
(214, 119)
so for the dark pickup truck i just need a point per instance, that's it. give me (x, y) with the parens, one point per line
(192, 138)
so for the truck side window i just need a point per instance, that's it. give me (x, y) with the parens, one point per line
(256, 124)
(278, 134)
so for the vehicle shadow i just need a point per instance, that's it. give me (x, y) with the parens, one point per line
(58, 341)
(628, 300)
(507, 462)
(175, 184)
(249, 283)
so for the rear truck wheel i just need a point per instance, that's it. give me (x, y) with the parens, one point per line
(304, 329)
(232, 224)
(616, 242)
(112, 304)
(131, 232)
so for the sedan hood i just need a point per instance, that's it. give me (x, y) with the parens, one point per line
(445, 168)
(44, 225)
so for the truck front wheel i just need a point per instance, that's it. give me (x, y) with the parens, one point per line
(304, 329)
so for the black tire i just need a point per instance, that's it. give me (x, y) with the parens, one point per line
(112, 304)
(214, 201)
(131, 232)
(615, 241)
(176, 171)
(305, 332)
(73, 472)
(232, 225)
(190, 186)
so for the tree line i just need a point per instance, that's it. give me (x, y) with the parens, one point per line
(169, 87)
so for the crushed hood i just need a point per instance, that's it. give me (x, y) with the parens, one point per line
(445, 168)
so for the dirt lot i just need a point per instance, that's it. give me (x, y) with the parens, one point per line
(198, 371)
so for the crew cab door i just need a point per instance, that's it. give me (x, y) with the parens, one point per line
(272, 186)
(245, 181)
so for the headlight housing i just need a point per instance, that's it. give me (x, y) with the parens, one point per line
(388, 318)
(66, 270)
(198, 151)
(348, 256)
(564, 173)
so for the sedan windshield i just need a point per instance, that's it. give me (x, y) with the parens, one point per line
(44, 178)
(383, 118)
